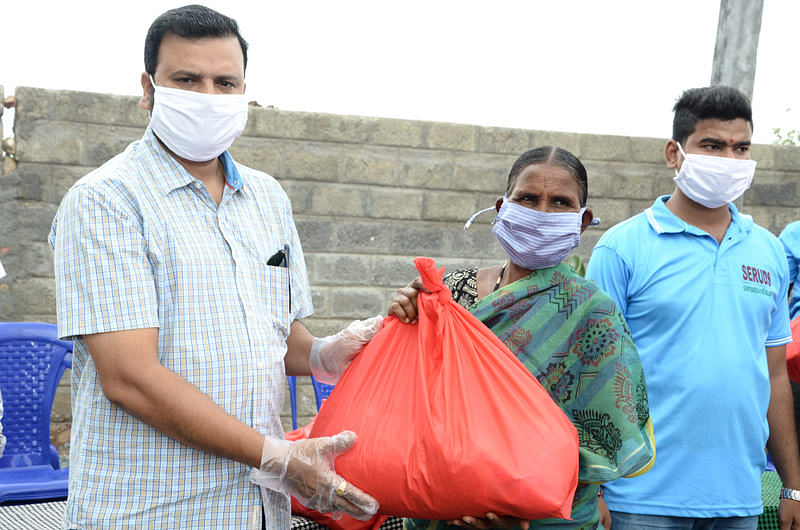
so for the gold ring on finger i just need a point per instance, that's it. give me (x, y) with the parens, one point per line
(341, 487)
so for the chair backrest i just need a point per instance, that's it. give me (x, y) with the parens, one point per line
(33, 360)
(293, 398)
(321, 391)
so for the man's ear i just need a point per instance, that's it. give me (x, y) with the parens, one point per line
(146, 101)
(498, 203)
(588, 215)
(673, 155)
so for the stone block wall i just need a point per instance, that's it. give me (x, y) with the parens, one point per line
(369, 194)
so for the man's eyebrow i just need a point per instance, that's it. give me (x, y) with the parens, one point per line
(228, 78)
(184, 73)
(712, 140)
(719, 141)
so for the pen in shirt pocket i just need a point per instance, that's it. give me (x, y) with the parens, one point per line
(281, 259)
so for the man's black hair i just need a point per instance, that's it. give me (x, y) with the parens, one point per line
(713, 102)
(554, 156)
(189, 22)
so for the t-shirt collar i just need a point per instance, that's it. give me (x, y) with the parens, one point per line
(662, 220)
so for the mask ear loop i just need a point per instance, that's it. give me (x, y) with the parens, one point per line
(684, 157)
(476, 214)
(595, 220)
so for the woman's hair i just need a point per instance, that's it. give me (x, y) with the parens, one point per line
(554, 156)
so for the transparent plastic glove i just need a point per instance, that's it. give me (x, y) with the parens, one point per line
(331, 355)
(304, 469)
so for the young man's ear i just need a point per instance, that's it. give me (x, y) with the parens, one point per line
(498, 203)
(146, 101)
(673, 155)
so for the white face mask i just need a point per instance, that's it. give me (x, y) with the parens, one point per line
(714, 181)
(197, 126)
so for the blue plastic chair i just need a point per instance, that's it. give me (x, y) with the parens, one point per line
(321, 391)
(293, 399)
(33, 361)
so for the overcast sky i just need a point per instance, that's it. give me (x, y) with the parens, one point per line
(612, 67)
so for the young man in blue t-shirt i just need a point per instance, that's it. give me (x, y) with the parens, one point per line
(704, 290)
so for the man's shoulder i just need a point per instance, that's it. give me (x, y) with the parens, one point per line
(261, 181)
(762, 237)
(117, 181)
(624, 231)
(791, 232)
(114, 175)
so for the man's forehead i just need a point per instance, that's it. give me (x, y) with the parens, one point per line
(176, 52)
(728, 131)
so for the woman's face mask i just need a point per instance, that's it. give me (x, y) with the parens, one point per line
(536, 240)
(540, 220)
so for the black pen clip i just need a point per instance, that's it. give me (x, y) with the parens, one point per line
(279, 259)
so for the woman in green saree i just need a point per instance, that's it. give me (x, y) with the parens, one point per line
(563, 328)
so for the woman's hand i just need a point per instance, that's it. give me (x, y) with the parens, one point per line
(491, 521)
(404, 303)
(605, 515)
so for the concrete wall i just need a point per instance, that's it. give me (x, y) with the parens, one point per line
(368, 194)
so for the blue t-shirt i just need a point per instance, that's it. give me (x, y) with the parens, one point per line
(790, 237)
(701, 314)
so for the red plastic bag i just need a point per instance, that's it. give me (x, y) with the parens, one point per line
(449, 422)
(345, 522)
(793, 352)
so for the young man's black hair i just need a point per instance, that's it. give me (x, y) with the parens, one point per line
(714, 102)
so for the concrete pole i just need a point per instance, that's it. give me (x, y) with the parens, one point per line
(737, 43)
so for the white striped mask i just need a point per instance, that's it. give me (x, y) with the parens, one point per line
(536, 240)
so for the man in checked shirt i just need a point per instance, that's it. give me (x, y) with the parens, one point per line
(181, 280)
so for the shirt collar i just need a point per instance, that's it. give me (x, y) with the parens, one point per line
(662, 220)
(172, 175)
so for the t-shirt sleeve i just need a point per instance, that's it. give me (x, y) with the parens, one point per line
(790, 238)
(780, 329)
(608, 269)
(103, 277)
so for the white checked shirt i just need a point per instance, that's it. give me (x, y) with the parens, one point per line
(140, 243)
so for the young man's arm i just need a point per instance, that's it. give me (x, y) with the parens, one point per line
(132, 377)
(782, 441)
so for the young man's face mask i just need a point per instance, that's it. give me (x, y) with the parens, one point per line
(197, 126)
(714, 181)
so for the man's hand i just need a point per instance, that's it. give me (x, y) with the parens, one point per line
(789, 514)
(404, 303)
(330, 356)
(491, 521)
(304, 469)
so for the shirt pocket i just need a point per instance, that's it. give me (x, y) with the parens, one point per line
(268, 295)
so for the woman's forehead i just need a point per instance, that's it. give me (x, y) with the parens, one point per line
(548, 176)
